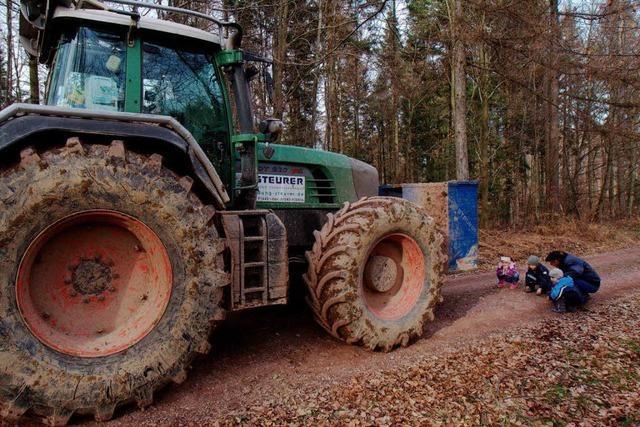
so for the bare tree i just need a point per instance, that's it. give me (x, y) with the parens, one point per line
(458, 89)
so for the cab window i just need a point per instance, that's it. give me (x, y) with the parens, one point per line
(89, 71)
(184, 84)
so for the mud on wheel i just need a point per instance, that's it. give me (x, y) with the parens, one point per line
(375, 272)
(110, 279)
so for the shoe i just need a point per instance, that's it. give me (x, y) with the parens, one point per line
(501, 284)
(528, 289)
(559, 306)
(513, 286)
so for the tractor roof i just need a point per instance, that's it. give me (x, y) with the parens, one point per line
(38, 17)
(144, 23)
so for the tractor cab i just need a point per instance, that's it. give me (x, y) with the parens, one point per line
(102, 60)
(96, 69)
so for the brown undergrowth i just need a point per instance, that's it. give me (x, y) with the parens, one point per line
(576, 237)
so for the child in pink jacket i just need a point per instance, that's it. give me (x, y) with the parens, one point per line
(507, 273)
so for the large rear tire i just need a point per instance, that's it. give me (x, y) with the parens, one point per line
(375, 272)
(111, 276)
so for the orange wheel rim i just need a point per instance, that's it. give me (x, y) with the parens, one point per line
(393, 276)
(94, 283)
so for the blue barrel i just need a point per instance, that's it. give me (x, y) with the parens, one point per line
(463, 225)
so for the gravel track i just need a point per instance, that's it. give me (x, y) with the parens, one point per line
(275, 365)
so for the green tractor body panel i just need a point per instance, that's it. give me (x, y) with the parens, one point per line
(133, 85)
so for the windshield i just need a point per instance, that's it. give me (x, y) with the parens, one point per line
(89, 71)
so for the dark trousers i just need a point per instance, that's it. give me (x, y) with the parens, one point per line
(509, 279)
(586, 287)
(532, 283)
(573, 298)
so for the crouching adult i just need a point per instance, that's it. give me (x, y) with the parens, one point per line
(565, 295)
(585, 277)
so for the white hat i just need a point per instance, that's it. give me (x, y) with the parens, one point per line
(556, 273)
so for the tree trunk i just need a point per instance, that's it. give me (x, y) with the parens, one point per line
(332, 132)
(316, 72)
(483, 90)
(34, 80)
(279, 56)
(632, 179)
(553, 131)
(458, 88)
(9, 53)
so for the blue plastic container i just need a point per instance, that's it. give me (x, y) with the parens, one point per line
(463, 225)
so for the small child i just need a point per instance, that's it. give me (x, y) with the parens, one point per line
(507, 273)
(564, 294)
(537, 278)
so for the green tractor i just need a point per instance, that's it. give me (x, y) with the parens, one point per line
(143, 203)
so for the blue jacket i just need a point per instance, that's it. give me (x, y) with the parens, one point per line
(579, 269)
(561, 286)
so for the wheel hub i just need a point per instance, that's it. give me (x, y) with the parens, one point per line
(91, 277)
(94, 283)
(380, 273)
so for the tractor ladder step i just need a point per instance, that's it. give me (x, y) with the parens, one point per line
(258, 244)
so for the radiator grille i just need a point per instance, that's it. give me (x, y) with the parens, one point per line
(322, 189)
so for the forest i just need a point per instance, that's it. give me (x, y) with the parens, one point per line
(537, 99)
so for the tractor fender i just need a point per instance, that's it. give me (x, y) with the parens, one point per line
(20, 123)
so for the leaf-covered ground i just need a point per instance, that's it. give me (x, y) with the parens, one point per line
(575, 369)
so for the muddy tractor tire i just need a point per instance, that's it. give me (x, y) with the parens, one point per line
(111, 276)
(375, 272)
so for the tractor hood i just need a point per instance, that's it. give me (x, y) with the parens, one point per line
(331, 179)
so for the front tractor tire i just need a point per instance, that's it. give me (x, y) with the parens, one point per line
(111, 277)
(375, 272)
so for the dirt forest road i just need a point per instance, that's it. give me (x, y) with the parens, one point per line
(266, 355)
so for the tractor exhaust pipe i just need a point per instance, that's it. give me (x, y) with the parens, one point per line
(235, 40)
(248, 191)
(248, 160)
